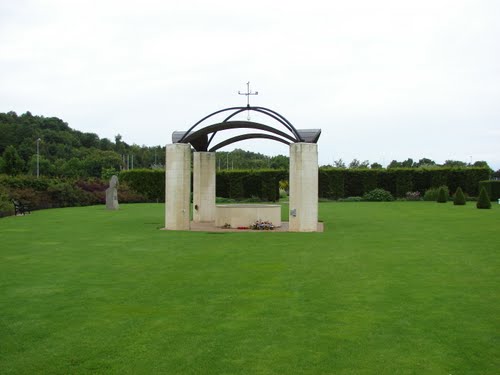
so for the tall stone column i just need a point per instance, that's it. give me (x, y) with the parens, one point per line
(177, 186)
(303, 187)
(203, 187)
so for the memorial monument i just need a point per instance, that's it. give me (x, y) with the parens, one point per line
(112, 194)
(303, 215)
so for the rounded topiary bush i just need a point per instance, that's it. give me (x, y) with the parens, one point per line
(459, 199)
(484, 200)
(442, 195)
(378, 195)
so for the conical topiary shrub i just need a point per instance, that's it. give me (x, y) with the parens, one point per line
(483, 201)
(442, 195)
(459, 199)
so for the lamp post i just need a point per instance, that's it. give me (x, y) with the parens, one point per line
(38, 158)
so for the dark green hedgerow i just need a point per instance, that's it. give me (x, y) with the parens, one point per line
(459, 198)
(333, 183)
(263, 184)
(149, 182)
(492, 187)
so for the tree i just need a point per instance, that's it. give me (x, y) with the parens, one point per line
(376, 166)
(481, 164)
(280, 162)
(394, 164)
(73, 167)
(454, 163)
(13, 163)
(106, 144)
(89, 140)
(483, 201)
(442, 195)
(354, 164)
(44, 166)
(364, 165)
(408, 163)
(425, 162)
(459, 199)
(99, 160)
(339, 164)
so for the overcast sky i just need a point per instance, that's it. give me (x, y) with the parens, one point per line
(384, 80)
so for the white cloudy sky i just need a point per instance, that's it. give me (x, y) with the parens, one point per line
(386, 79)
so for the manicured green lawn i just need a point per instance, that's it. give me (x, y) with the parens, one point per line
(388, 288)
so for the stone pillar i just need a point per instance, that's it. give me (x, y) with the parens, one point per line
(177, 186)
(203, 187)
(303, 187)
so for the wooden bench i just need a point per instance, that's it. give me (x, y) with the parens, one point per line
(20, 208)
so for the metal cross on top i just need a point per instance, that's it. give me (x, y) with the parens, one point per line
(247, 94)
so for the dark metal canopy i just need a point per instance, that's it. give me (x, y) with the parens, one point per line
(200, 139)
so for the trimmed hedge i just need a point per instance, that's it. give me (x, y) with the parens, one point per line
(442, 195)
(241, 184)
(334, 183)
(148, 182)
(492, 187)
(234, 184)
(483, 202)
(459, 198)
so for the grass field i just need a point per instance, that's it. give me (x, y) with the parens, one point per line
(388, 288)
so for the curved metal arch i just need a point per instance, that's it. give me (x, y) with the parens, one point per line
(206, 117)
(283, 121)
(237, 110)
(299, 138)
(243, 137)
(192, 137)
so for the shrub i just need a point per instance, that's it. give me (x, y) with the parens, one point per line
(459, 199)
(6, 207)
(492, 188)
(378, 195)
(443, 195)
(432, 194)
(484, 200)
(413, 196)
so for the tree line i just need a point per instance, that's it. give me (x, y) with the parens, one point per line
(29, 143)
(408, 163)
